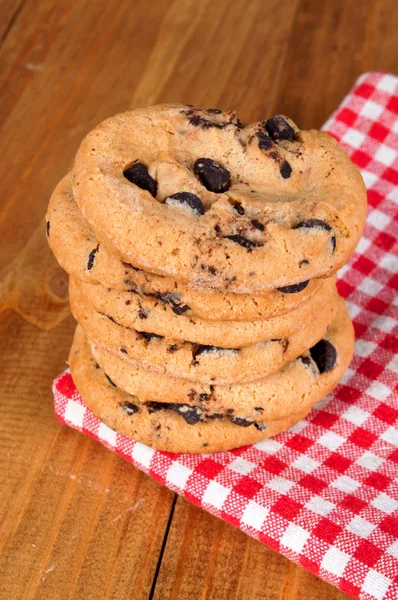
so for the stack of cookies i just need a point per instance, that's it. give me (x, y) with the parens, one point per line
(202, 256)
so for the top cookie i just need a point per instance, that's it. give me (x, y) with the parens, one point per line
(194, 195)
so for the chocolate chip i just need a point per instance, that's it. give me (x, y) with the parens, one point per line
(150, 336)
(139, 175)
(212, 175)
(241, 422)
(324, 354)
(157, 406)
(238, 208)
(172, 348)
(48, 228)
(143, 314)
(203, 397)
(198, 349)
(128, 302)
(180, 309)
(295, 288)
(112, 319)
(215, 416)
(305, 360)
(214, 111)
(110, 381)
(198, 121)
(217, 228)
(257, 225)
(279, 129)
(242, 241)
(264, 141)
(317, 224)
(190, 414)
(91, 258)
(304, 262)
(130, 409)
(261, 426)
(188, 200)
(123, 350)
(285, 170)
(212, 270)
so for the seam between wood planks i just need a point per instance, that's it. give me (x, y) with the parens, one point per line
(12, 22)
(161, 553)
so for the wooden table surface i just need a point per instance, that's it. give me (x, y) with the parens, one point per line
(77, 521)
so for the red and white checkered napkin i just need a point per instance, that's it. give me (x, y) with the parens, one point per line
(324, 494)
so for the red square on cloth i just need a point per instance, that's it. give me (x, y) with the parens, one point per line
(338, 517)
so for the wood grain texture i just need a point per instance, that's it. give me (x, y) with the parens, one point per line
(75, 520)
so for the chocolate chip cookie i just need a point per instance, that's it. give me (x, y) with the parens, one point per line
(194, 195)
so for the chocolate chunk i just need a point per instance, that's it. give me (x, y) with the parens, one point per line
(215, 416)
(295, 288)
(190, 414)
(198, 349)
(139, 175)
(238, 208)
(324, 354)
(257, 225)
(305, 360)
(157, 406)
(143, 314)
(264, 141)
(187, 199)
(285, 170)
(168, 297)
(212, 175)
(130, 409)
(241, 422)
(172, 348)
(150, 336)
(261, 426)
(180, 309)
(279, 129)
(317, 224)
(110, 381)
(242, 241)
(198, 121)
(48, 228)
(91, 258)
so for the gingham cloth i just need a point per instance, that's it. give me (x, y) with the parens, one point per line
(324, 494)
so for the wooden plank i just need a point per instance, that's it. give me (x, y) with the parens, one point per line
(9, 11)
(208, 558)
(332, 44)
(78, 518)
